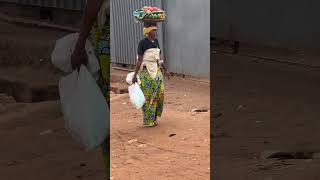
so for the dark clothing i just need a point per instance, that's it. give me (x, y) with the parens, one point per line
(146, 44)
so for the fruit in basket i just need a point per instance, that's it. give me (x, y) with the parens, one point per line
(145, 8)
(155, 9)
(150, 9)
(148, 13)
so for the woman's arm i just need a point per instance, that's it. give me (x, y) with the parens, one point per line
(167, 73)
(164, 67)
(138, 65)
(140, 52)
(90, 14)
(79, 55)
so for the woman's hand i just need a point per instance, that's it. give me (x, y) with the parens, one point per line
(79, 57)
(166, 71)
(134, 79)
(168, 74)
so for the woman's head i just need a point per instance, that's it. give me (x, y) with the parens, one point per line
(150, 30)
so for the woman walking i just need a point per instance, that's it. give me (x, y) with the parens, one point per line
(149, 69)
(95, 20)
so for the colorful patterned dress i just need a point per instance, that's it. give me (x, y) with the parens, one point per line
(100, 39)
(152, 88)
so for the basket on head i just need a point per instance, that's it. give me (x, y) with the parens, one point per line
(149, 14)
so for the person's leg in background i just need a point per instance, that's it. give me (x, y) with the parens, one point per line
(101, 44)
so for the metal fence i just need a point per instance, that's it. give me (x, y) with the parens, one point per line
(184, 36)
(125, 32)
(187, 37)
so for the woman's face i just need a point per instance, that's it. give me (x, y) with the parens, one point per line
(153, 34)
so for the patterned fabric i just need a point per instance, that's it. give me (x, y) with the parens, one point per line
(153, 90)
(100, 39)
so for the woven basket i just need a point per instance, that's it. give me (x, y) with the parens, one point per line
(147, 19)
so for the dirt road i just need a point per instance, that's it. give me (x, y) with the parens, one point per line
(265, 107)
(34, 144)
(142, 153)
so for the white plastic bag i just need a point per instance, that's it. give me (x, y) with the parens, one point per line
(84, 107)
(136, 95)
(61, 54)
(130, 77)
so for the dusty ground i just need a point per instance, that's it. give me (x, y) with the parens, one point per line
(34, 144)
(264, 106)
(155, 154)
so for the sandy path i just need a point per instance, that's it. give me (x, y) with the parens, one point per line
(28, 152)
(142, 153)
(137, 152)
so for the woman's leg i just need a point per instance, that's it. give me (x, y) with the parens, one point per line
(147, 87)
(160, 100)
(149, 115)
(105, 146)
(100, 41)
(160, 94)
(106, 157)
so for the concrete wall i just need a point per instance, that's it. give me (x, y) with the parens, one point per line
(289, 24)
(187, 37)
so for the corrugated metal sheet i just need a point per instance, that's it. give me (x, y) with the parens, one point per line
(125, 32)
(185, 45)
(62, 4)
(187, 37)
